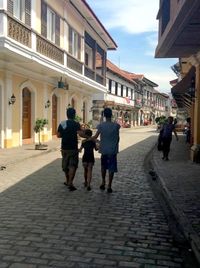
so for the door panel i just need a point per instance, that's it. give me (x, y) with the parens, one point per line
(26, 114)
(54, 114)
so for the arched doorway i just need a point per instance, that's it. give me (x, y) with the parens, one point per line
(26, 114)
(54, 114)
(73, 103)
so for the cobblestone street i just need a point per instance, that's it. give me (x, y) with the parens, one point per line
(44, 225)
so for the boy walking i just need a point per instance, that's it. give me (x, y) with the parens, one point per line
(109, 147)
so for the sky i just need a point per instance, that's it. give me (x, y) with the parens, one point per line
(133, 26)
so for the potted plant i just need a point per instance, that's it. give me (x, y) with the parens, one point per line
(39, 126)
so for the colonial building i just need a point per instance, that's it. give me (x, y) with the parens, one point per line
(179, 38)
(161, 105)
(121, 93)
(48, 61)
(147, 112)
(131, 96)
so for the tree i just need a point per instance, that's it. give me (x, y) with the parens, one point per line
(39, 126)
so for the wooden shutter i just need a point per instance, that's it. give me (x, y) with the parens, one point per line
(79, 47)
(43, 19)
(28, 12)
(57, 33)
(70, 40)
(10, 7)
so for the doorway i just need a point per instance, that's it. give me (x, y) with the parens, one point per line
(26, 114)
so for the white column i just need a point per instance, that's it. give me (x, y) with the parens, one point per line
(3, 24)
(3, 4)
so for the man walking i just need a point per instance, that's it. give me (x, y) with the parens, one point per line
(109, 147)
(67, 131)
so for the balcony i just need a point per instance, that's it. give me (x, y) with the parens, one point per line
(49, 50)
(74, 64)
(181, 34)
(100, 79)
(19, 32)
(89, 73)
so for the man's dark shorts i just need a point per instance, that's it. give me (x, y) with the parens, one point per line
(69, 159)
(109, 162)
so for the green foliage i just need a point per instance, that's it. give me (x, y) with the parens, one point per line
(39, 126)
(160, 120)
(78, 119)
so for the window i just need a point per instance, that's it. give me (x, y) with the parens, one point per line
(74, 43)
(116, 88)
(89, 59)
(122, 87)
(50, 25)
(109, 85)
(126, 91)
(19, 9)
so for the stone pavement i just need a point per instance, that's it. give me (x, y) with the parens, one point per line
(44, 225)
(180, 179)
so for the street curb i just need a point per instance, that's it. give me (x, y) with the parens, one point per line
(19, 160)
(186, 227)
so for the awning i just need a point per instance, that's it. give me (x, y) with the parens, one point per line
(181, 91)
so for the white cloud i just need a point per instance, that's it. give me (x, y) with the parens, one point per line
(162, 78)
(152, 41)
(132, 16)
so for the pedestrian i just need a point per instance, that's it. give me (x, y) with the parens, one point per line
(67, 131)
(166, 136)
(109, 147)
(88, 157)
(188, 129)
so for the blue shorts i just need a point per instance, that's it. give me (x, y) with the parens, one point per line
(109, 162)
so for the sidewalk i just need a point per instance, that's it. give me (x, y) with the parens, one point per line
(19, 154)
(180, 180)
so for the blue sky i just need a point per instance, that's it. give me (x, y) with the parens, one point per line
(133, 26)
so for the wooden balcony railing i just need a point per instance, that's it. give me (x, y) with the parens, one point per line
(100, 79)
(74, 64)
(46, 48)
(89, 73)
(19, 32)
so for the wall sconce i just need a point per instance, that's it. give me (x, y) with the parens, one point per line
(47, 104)
(12, 100)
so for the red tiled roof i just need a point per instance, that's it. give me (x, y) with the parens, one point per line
(127, 75)
(112, 67)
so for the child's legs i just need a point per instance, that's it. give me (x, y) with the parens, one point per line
(85, 173)
(89, 173)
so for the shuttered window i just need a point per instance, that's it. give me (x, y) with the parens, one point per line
(74, 43)
(10, 7)
(20, 9)
(51, 21)
(28, 12)
(50, 24)
(43, 19)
